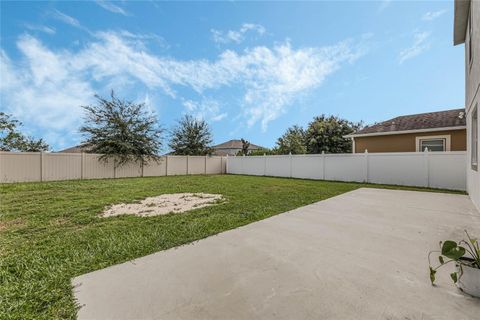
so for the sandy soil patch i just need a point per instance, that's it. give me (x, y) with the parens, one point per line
(164, 204)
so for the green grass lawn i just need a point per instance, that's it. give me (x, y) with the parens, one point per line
(51, 232)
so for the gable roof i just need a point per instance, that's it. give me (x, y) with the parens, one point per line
(460, 19)
(430, 121)
(235, 144)
(75, 149)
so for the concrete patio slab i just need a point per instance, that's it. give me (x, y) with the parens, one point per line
(360, 255)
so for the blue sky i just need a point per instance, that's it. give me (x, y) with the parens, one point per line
(251, 69)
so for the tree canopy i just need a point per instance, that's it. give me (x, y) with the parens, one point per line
(13, 140)
(326, 134)
(122, 130)
(191, 136)
(292, 141)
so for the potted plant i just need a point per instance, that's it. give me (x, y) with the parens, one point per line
(466, 256)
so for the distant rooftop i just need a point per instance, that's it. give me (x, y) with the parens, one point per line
(235, 144)
(429, 120)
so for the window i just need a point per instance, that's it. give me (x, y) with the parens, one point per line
(433, 143)
(474, 141)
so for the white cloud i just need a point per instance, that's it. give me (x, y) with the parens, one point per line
(66, 18)
(41, 28)
(207, 109)
(47, 87)
(236, 36)
(432, 15)
(420, 45)
(109, 6)
(384, 4)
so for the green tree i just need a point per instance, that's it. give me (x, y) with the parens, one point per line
(191, 136)
(122, 130)
(245, 148)
(13, 140)
(292, 141)
(263, 151)
(326, 134)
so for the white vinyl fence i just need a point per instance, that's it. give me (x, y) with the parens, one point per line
(45, 166)
(426, 169)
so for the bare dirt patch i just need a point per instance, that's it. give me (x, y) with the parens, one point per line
(164, 204)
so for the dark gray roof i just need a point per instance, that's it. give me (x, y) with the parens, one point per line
(235, 144)
(430, 120)
(75, 149)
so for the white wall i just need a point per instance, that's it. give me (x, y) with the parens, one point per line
(426, 169)
(472, 97)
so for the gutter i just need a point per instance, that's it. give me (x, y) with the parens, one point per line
(354, 135)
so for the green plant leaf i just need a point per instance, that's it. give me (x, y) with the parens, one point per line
(440, 258)
(453, 275)
(451, 250)
(432, 275)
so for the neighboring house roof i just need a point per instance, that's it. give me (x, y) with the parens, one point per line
(462, 9)
(235, 144)
(75, 149)
(431, 121)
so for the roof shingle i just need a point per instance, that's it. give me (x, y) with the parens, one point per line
(430, 120)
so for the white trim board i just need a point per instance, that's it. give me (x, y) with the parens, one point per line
(403, 132)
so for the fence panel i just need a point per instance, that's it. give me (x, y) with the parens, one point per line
(215, 165)
(308, 166)
(403, 169)
(196, 164)
(277, 166)
(37, 166)
(129, 170)
(448, 171)
(345, 167)
(235, 165)
(155, 168)
(176, 165)
(63, 166)
(20, 166)
(254, 166)
(94, 168)
(426, 169)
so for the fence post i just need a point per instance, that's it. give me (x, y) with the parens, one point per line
(291, 159)
(82, 166)
(166, 165)
(226, 165)
(114, 168)
(264, 164)
(187, 165)
(42, 159)
(243, 164)
(141, 168)
(323, 164)
(205, 165)
(427, 165)
(367, 178)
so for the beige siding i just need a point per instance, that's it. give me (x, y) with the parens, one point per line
(407, 142)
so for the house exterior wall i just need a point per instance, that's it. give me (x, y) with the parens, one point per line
(472, 94)
(407, 142)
